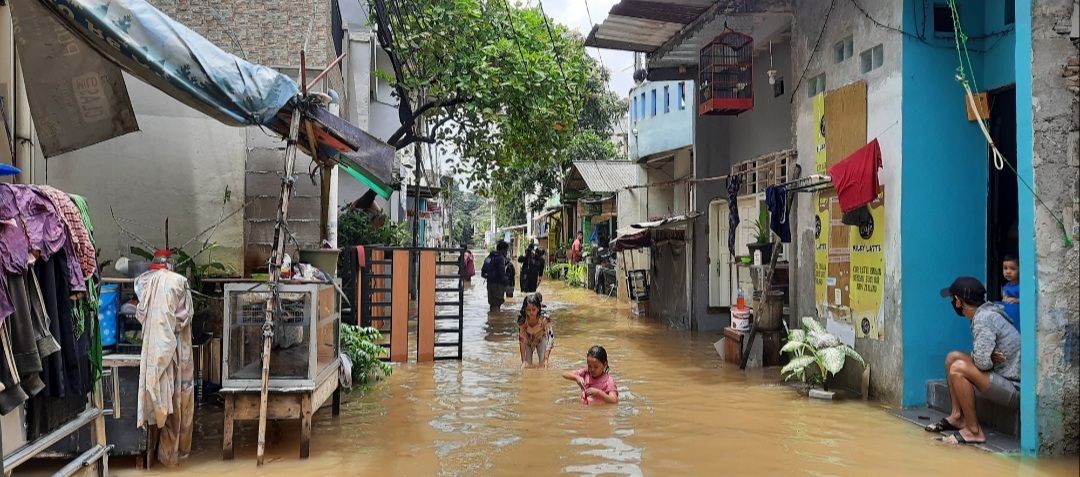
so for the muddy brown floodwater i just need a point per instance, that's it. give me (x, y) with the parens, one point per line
(682, 412)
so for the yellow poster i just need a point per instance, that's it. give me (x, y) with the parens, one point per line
(868, 273)
(819, 133)
(821, 254)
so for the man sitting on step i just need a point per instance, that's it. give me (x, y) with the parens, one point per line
(993, 367)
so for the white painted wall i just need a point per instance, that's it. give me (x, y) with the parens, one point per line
(178, 166)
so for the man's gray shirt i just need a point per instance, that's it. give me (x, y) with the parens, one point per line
(991, 331)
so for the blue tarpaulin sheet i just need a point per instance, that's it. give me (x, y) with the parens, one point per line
(169, 56)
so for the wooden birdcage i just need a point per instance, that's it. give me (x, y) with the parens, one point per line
(726, 75)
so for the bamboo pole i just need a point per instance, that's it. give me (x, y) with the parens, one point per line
(275, 273)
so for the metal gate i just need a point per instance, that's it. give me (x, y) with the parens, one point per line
(384, 300)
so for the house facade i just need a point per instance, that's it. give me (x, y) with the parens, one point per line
(832, 77)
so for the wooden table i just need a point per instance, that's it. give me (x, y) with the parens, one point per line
(242, 404)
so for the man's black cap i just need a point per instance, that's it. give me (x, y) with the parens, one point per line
(969, 289)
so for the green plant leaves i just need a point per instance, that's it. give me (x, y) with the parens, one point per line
(851, 353)
(812, 325)
(798, 364)
(793, 347)
(359, 344)
(832, 359)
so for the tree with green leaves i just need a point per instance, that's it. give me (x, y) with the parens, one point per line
(513, 93)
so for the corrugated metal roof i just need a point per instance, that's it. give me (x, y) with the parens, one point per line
(607, 176)
(638, 25)
(673, 31)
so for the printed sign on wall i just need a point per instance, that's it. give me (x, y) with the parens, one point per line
(821, 254)
(819, 134)
(868, 273)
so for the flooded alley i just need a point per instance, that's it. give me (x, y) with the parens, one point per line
(682, 412)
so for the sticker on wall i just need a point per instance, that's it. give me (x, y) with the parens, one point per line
(868, 272)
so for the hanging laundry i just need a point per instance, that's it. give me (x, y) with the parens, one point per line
(859, 217)
(72, 219)
(734, 182)
(166, 372)
(44, 228)
(776, 201)
(855, 178)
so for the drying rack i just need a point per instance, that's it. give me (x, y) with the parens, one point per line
(808, 184)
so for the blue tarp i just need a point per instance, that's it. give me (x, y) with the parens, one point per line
(169, 56)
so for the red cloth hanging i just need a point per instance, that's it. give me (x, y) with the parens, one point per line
(855, 178)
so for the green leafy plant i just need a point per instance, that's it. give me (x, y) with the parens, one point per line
(360, 345)
(188, 266)
(556, 271)
(815, 354)
(358, 227)
(761, 232)
(577, 275)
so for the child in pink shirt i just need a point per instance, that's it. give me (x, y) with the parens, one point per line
(595, 381)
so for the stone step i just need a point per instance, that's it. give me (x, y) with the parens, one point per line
(1000, 418)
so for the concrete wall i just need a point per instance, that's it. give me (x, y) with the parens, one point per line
(178, 166)
(720, 142)
(936, 154)
(1048, 289)
(664, 131)
(883, 122)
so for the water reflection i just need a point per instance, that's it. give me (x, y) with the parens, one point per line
(681, 412)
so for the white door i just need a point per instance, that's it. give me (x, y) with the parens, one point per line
(720, 259)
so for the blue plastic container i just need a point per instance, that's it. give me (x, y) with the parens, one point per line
(107, 309)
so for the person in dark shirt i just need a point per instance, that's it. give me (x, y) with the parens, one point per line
(494, 272)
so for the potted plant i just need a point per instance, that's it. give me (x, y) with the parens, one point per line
(815, 355)
(762, 237)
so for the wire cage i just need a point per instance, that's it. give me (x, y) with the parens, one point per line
(306, 340)
(726, 75)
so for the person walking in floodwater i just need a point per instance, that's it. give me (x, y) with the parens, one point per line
(535, 332)
(595, 379)
(470, 266)
(532, 268)
(494, 271)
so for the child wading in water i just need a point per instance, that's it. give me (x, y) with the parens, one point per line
(595, 381)
(535, 333)
(1010, 292)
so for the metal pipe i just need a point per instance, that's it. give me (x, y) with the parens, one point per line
(29, 451)
(324, 72)
(84, 460)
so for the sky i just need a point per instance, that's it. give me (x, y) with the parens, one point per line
(573, 13)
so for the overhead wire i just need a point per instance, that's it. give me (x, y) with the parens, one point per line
(817, 46)
(592, 24)
(554, 48)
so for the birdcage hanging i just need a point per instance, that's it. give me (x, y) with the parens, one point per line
(726, 75)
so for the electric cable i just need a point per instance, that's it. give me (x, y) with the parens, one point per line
(817, 45)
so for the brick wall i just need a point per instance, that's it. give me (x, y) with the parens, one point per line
(271, 32)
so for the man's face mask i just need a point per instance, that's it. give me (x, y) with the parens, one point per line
(958, 306)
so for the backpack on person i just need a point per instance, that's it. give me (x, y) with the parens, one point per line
(485, 270)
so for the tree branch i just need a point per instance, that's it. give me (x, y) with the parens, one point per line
(406, 127)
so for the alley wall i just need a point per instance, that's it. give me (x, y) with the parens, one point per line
(1055, 164)
(884, 86)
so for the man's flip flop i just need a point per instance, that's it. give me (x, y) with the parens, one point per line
(959, 439)
(941, 426)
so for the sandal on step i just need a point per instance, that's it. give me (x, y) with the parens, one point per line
(941, 426)
(960, 439)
